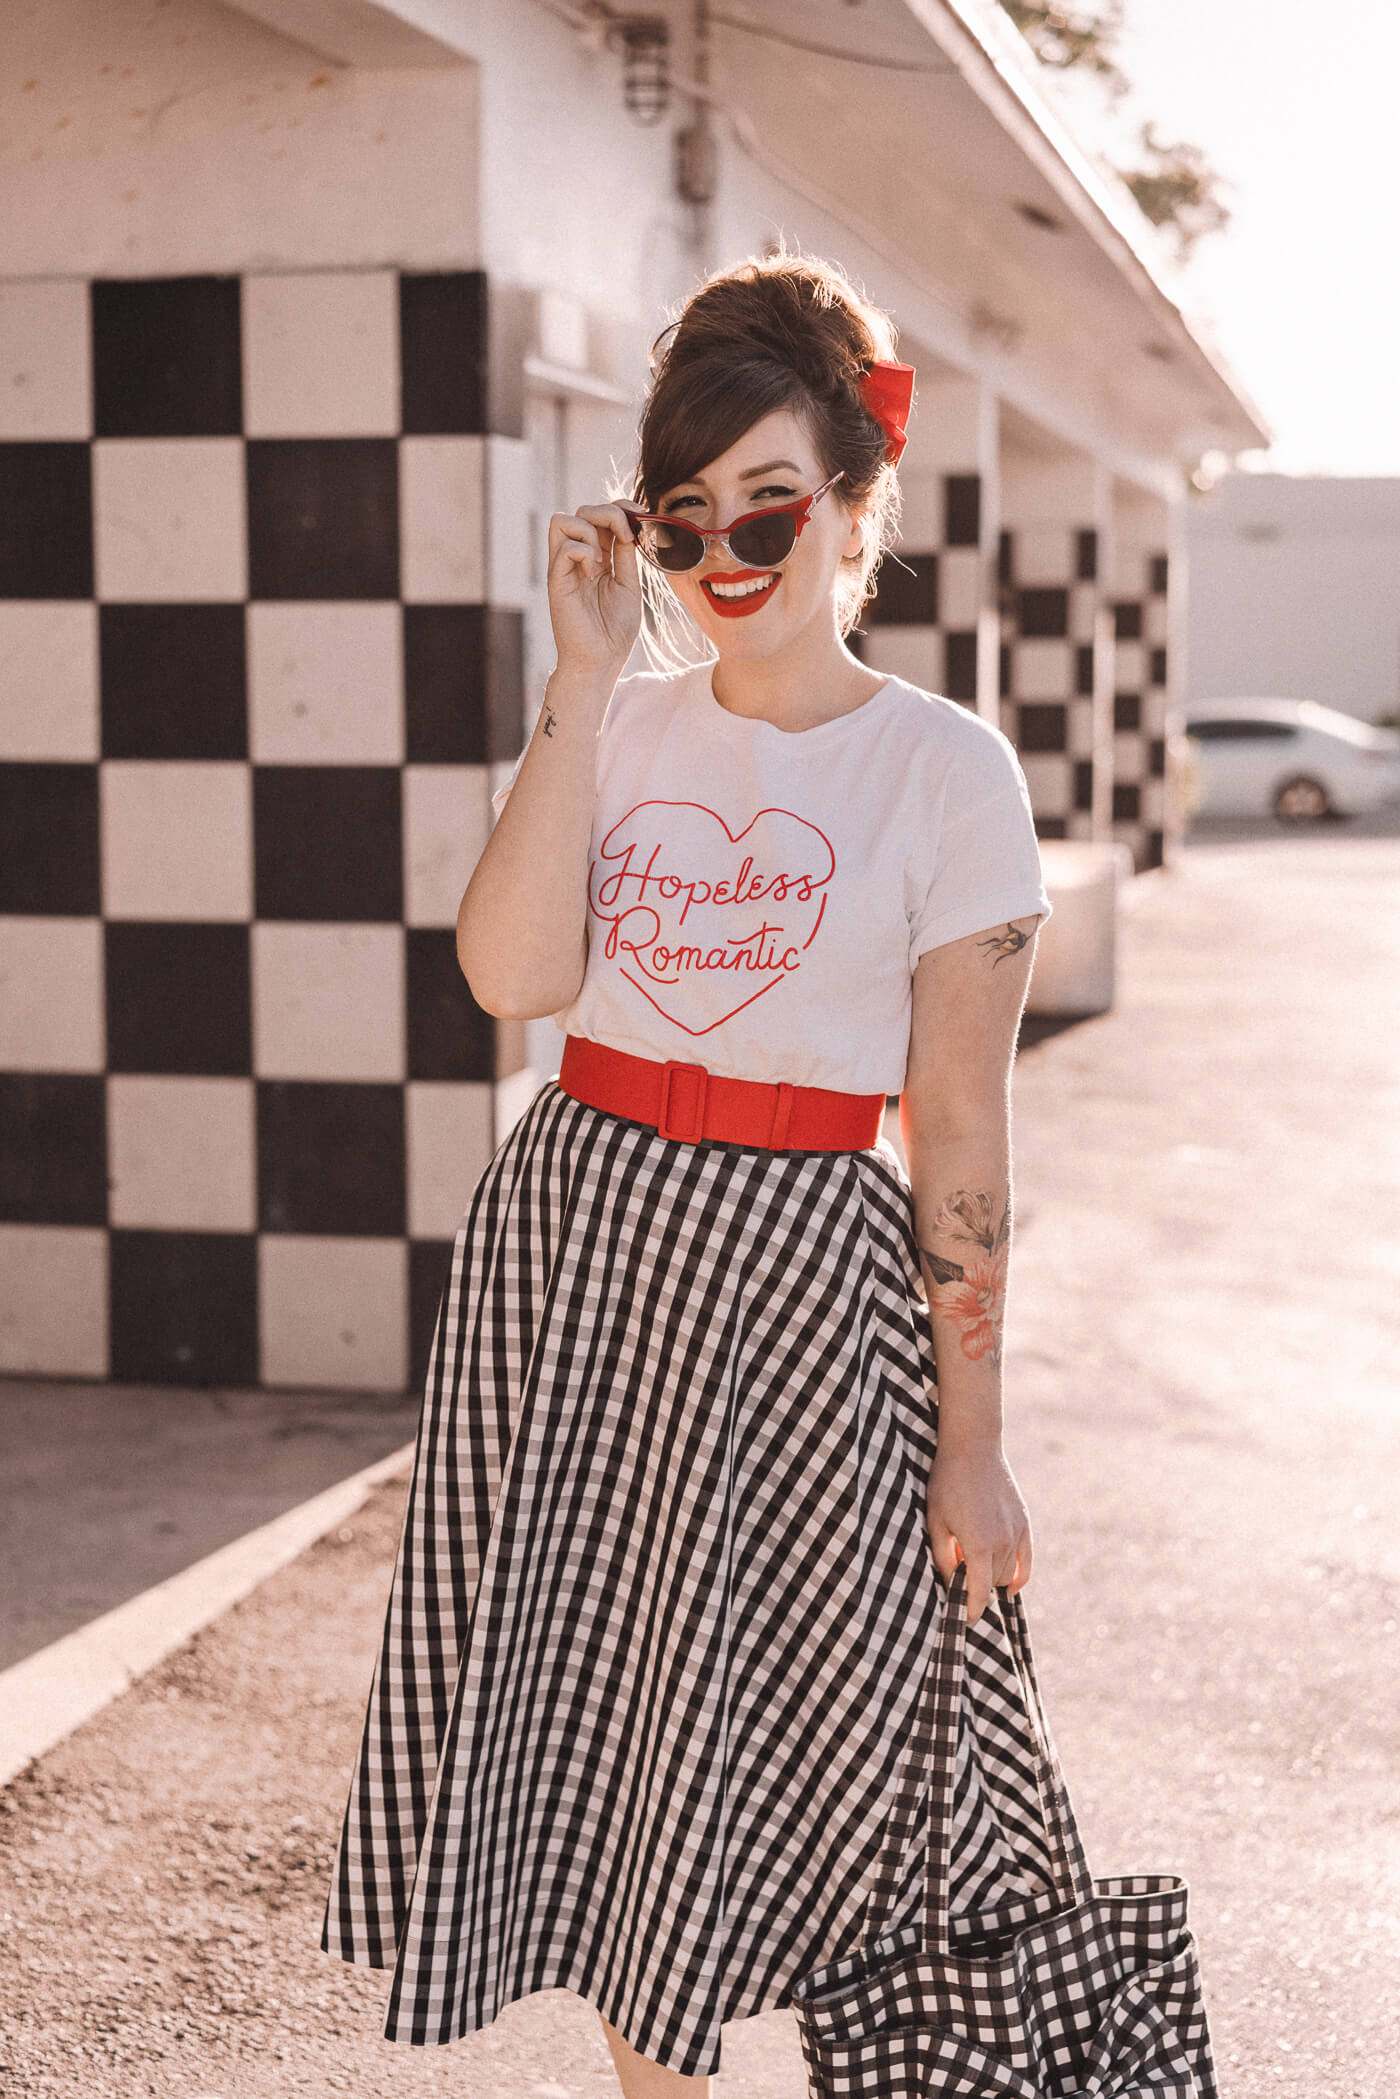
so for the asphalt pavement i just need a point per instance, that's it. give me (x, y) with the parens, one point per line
(1204, 1404)
(107, 1489)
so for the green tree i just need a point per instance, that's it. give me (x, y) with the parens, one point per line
(1064, 36)
(1173, 181)
(1178, 189)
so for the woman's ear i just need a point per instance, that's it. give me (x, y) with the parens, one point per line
(856, 538)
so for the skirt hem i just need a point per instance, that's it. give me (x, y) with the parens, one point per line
(682, 2067)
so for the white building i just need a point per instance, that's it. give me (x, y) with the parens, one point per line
(1295, 591)
(310, 312)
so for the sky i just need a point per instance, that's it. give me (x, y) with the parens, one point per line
(1295, 103)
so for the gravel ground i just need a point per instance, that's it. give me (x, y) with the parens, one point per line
(1206, 1424)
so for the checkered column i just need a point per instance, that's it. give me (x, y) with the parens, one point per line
(1056, 644)
(1140, 671)
(925, 621)
(259, 604)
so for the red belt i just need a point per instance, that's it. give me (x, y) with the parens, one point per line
(687, 1102)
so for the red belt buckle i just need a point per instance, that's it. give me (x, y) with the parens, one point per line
(664, 1125)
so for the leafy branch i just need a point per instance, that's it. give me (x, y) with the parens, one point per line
(1173, 181)
(1063, 37)
(1177, 189)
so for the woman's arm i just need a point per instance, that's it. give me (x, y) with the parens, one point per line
(955, 1118)
(522, 938)
(521, 942)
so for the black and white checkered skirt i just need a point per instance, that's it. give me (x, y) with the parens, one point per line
(664, 1599)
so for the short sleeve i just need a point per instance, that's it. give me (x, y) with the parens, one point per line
(981, 864)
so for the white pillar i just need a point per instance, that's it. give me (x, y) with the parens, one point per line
(1142, 669)
(936, 626)
(1056, 671)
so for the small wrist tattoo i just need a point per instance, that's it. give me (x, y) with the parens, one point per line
(549, 720)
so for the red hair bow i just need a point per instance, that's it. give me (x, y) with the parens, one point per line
(887, 390)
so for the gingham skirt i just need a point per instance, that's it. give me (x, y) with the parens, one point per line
(664, 1600)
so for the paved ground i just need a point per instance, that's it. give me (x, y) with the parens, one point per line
(1207, 1423)
(108, 1489)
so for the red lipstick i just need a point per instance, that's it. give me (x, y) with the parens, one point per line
(739, 608)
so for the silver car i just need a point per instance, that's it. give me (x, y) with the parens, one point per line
(1289, 758)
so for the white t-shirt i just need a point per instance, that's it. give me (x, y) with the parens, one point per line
(758, 898)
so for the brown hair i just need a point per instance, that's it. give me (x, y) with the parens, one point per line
(784, 331)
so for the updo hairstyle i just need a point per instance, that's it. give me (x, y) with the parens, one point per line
(786, 331)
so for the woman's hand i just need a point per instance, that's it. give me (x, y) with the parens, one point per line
(595, 588)
(975, 1512)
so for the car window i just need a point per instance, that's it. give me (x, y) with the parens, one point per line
(1217, 731)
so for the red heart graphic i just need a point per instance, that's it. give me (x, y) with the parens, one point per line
(704, 920)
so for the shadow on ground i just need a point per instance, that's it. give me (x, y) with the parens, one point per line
(108, 1489)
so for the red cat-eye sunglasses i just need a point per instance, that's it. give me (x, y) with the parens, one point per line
(758, 539)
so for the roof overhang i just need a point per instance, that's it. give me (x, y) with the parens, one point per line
(950, 159)
(996, 62)
(369, 32)
(1032, 264)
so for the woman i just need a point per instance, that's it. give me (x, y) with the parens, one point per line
(666, 1594)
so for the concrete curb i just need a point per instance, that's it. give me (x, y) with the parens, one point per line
(48, 1694)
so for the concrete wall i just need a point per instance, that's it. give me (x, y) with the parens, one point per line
(141, 140)
(1295, 591)
(262, 578)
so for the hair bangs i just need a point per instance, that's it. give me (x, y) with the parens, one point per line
(710, 404)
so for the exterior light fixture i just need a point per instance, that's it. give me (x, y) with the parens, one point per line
(646, 83)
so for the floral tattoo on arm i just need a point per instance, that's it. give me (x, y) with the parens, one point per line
(971, 1294)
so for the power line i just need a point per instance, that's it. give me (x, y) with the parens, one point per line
(802, 43)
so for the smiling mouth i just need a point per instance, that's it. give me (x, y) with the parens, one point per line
(735, 596)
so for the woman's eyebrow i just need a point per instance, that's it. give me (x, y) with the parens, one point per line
(750, 473)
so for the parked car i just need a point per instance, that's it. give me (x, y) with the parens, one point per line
(1292, 759)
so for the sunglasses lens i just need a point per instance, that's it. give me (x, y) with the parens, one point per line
(673, 547)
(765, 541)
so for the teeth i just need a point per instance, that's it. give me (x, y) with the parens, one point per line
(741, 590)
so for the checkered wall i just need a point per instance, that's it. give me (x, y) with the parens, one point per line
(260, 662)
(922, 623)
(1140, 705)
(1048, 584)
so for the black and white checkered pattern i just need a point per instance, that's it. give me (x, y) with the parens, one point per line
(922, 624)
(1087, 1986)
(260, 627)
(1140, 705)
(1048, 578)
(667, 1538)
